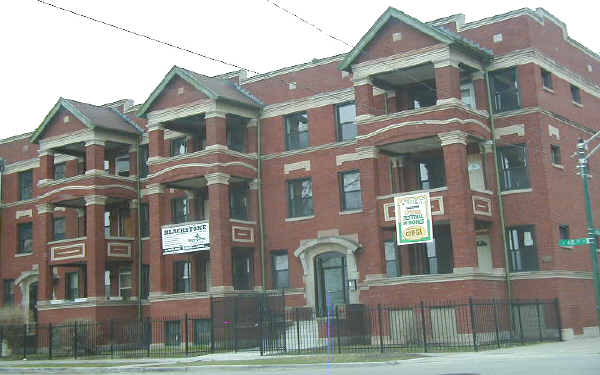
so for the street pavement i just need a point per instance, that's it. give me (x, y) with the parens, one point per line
(577, 357)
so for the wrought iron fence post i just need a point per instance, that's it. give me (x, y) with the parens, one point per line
(423, 327)
(521, 333)
(297, 329)
(1, 340)
(260, 324)
(496, 323)
(24, 341)
(558, 321)
(539, 319)
(235, 322)
(185, 326)
(75, 344)
(212, 326)
(112, 338)
(473, 325)
(380, 321)
(149, 338)
(49, 341)
(337, 329)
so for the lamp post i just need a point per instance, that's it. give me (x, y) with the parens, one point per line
(583, 167)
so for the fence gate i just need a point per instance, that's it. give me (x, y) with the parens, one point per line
(248, 322)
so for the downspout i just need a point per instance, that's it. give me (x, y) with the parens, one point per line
(260, 202)
(139, 224)
(498, 187)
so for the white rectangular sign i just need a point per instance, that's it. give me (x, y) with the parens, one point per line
(185, 238)
(413, 218)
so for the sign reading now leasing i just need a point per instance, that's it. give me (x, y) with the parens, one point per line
(413, 218)
(574, 242)
(185, 238)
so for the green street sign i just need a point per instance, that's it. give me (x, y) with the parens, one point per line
(574, 242)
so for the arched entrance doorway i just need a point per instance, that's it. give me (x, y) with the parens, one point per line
(330, 280)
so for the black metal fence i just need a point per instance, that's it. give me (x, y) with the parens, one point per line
(261, 322)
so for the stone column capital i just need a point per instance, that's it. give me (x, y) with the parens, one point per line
(96, 142)
(367, 152)
(212, 114)
(95, 200)
(217, 178)
(152, 126)
(153, 189)
(46, 153)
(45, 208)
(452, 137)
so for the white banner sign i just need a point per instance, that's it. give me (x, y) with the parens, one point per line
(185, 238)
(413, 218)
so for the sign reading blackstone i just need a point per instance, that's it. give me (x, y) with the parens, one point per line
(185, 238)
(413, 218)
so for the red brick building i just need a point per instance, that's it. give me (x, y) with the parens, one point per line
(216, 185)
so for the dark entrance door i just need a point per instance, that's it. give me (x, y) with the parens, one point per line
(330, 280)
(33, 299)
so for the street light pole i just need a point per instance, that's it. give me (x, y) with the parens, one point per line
(593, 241)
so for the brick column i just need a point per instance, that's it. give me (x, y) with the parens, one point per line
(365, 101)
(94, 156)
(481, 92)
(158, 214)
(371, 235)
(447, 80)
(156, 143)
(458, 202)
(95, 247)
(216, 129)
(42, 223)
(133, 165)
(46, 165)
(220, 231)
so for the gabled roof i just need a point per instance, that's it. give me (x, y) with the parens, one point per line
(213, 88)
(91, 116)
(437, 32)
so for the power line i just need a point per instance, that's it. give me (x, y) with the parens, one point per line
(146, 36)
(308, 23)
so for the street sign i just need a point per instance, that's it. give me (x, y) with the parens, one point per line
(575, 242)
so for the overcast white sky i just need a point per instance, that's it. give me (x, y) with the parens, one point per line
(47, 53)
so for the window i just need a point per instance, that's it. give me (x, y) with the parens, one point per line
(564, 232)
(107, 166)
(180, 210)
(547, 79)
(522, 248)
(300, 198)
(346, 121)
(238, 200)
(236, 133)
(125, 281)
(183, 277)
(555, 152)
(575, 94)
(72, 285)
(25, 185)
(144, 155)
(145, 281)
(423, 95)
(200, 138)
(122, 166)
(9, 292)
(505, 90)
(350, 191)
(178, 146)
(296, 131)
(172, 333)
(107, 224)
(433, 257)
(467, 94)
(280, 267)
(242, 270)
(25, 238)
(145, 219)
(59, 171)
(513, 167)
(59, 229)
(202, 332)
(392, 263)
(432, 173)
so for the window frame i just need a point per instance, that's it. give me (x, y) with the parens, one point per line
(127, 272)
(8, 292)
(430, 161)
(576, 94)
(340, 125)
(69, 291)
(180, 278)
(518, 264)
(121, 159)
(182, 141)
(21, 245)
(143, 156)
(26, 185)
(288, 133)
(564, 232)
(555, 154)
(506, 172)
(292, 210)
(344, 194)
(57, 236)
(498, 108)
(275, 272)
(471, 100)
(60, 167)
(239, 200)
(175, 219)
(236, 125)
(546, 78)
(396, 261)
(145, 219)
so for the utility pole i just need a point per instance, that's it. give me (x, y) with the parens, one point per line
(593, 241)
